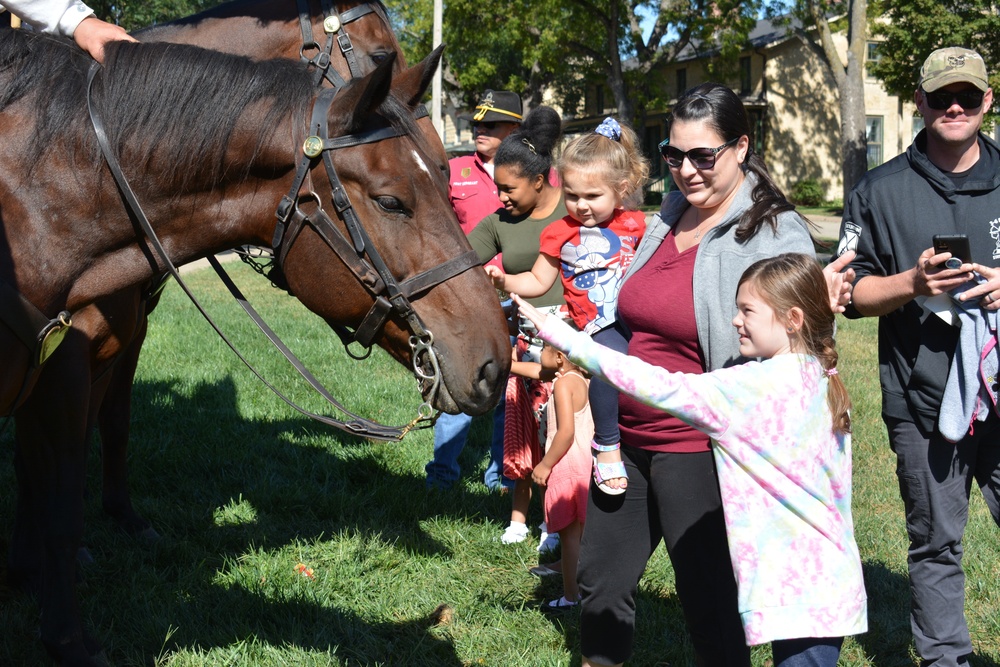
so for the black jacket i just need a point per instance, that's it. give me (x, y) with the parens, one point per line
(890, 218)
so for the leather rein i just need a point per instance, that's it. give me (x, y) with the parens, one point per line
(359, 255)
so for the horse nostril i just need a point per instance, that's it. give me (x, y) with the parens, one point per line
(489, 376)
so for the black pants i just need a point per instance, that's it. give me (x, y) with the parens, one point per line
(673, 497)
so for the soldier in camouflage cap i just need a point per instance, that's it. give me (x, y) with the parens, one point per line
(953, 65)
(947, 183)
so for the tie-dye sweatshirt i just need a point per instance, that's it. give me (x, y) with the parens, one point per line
(785, 478)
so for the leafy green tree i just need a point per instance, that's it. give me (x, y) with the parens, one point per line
(532, 45)
(488, 44)
(911, 29)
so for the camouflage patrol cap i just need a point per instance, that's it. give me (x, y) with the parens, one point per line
(953, 65)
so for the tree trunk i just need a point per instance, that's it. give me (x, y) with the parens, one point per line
(616, 80)
(853, 128)
(852, 98)
(850, 80)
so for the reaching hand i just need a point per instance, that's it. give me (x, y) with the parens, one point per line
(496, 274)
(839, 283)
(528, 311)
(93, 33)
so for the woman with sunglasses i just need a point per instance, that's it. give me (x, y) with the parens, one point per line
(677, 305)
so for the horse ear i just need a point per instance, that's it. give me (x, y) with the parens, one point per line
(363, 96)
(413, 83)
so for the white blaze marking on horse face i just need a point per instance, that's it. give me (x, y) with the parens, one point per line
(420, 162)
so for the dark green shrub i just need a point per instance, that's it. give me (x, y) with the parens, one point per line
(807, 192)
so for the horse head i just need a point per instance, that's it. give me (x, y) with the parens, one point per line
(378, 170)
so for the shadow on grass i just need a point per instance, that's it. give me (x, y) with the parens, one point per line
(888, 640)
(660, 634)
(192, 453)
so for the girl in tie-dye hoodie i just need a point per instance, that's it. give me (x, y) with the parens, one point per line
(780, 429)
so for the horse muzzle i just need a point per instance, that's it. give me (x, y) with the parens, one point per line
(453, 392)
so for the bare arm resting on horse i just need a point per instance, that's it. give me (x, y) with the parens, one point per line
(71, 18)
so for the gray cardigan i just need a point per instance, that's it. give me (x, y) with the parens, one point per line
(719, 264)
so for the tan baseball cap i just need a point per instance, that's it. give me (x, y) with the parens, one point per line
(953, 65)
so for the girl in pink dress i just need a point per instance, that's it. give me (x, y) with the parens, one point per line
(564, 470)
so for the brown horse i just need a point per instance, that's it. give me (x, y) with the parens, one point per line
(213, 160)
(258, 29)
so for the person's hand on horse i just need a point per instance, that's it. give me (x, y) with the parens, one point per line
(536, 316)
(93, 33)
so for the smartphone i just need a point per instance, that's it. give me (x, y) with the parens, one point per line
(957, 245)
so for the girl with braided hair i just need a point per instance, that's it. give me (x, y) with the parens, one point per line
(780, 431)
(675, 308)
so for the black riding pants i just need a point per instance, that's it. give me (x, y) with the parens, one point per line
(674, 497)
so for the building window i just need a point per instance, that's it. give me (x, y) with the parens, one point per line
(872, 56)
(918, 124)
(654, 135)
(756, 118)
(746, 83)
(682, 81)
(874, 132)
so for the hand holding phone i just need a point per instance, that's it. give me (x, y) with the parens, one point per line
(957, 245)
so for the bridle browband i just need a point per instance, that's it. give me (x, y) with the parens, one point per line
(358, 254)
(334, 25)
(391, 296)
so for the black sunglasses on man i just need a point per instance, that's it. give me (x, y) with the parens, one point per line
(941, 100)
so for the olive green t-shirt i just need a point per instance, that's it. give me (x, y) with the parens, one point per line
(517, 238)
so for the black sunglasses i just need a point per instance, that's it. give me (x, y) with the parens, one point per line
(701, 158)
(940, 100)
(487, 125)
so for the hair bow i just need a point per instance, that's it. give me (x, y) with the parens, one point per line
(610, 128)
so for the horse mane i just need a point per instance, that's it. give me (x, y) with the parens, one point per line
(184, 101)
(157, 99)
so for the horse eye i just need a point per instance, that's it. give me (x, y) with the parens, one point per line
(379, 57)
(390, 204)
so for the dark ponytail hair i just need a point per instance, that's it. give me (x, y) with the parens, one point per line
(718, 107)
(529, 148)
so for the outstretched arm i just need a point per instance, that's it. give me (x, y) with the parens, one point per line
(538, 281)
(699, 400)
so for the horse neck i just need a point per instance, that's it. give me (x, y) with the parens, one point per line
(229, 33)
(270, 29)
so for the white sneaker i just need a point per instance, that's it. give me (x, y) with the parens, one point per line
(516, 532)
(547, 541)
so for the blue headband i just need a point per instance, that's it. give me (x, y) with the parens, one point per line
(610, 128)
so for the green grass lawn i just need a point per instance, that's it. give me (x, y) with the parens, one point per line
(243, 489)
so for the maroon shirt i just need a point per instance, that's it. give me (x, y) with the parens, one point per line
(657, 305)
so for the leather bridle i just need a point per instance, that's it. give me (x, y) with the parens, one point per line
(359, 255)
(390, 295)
(335, 27)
